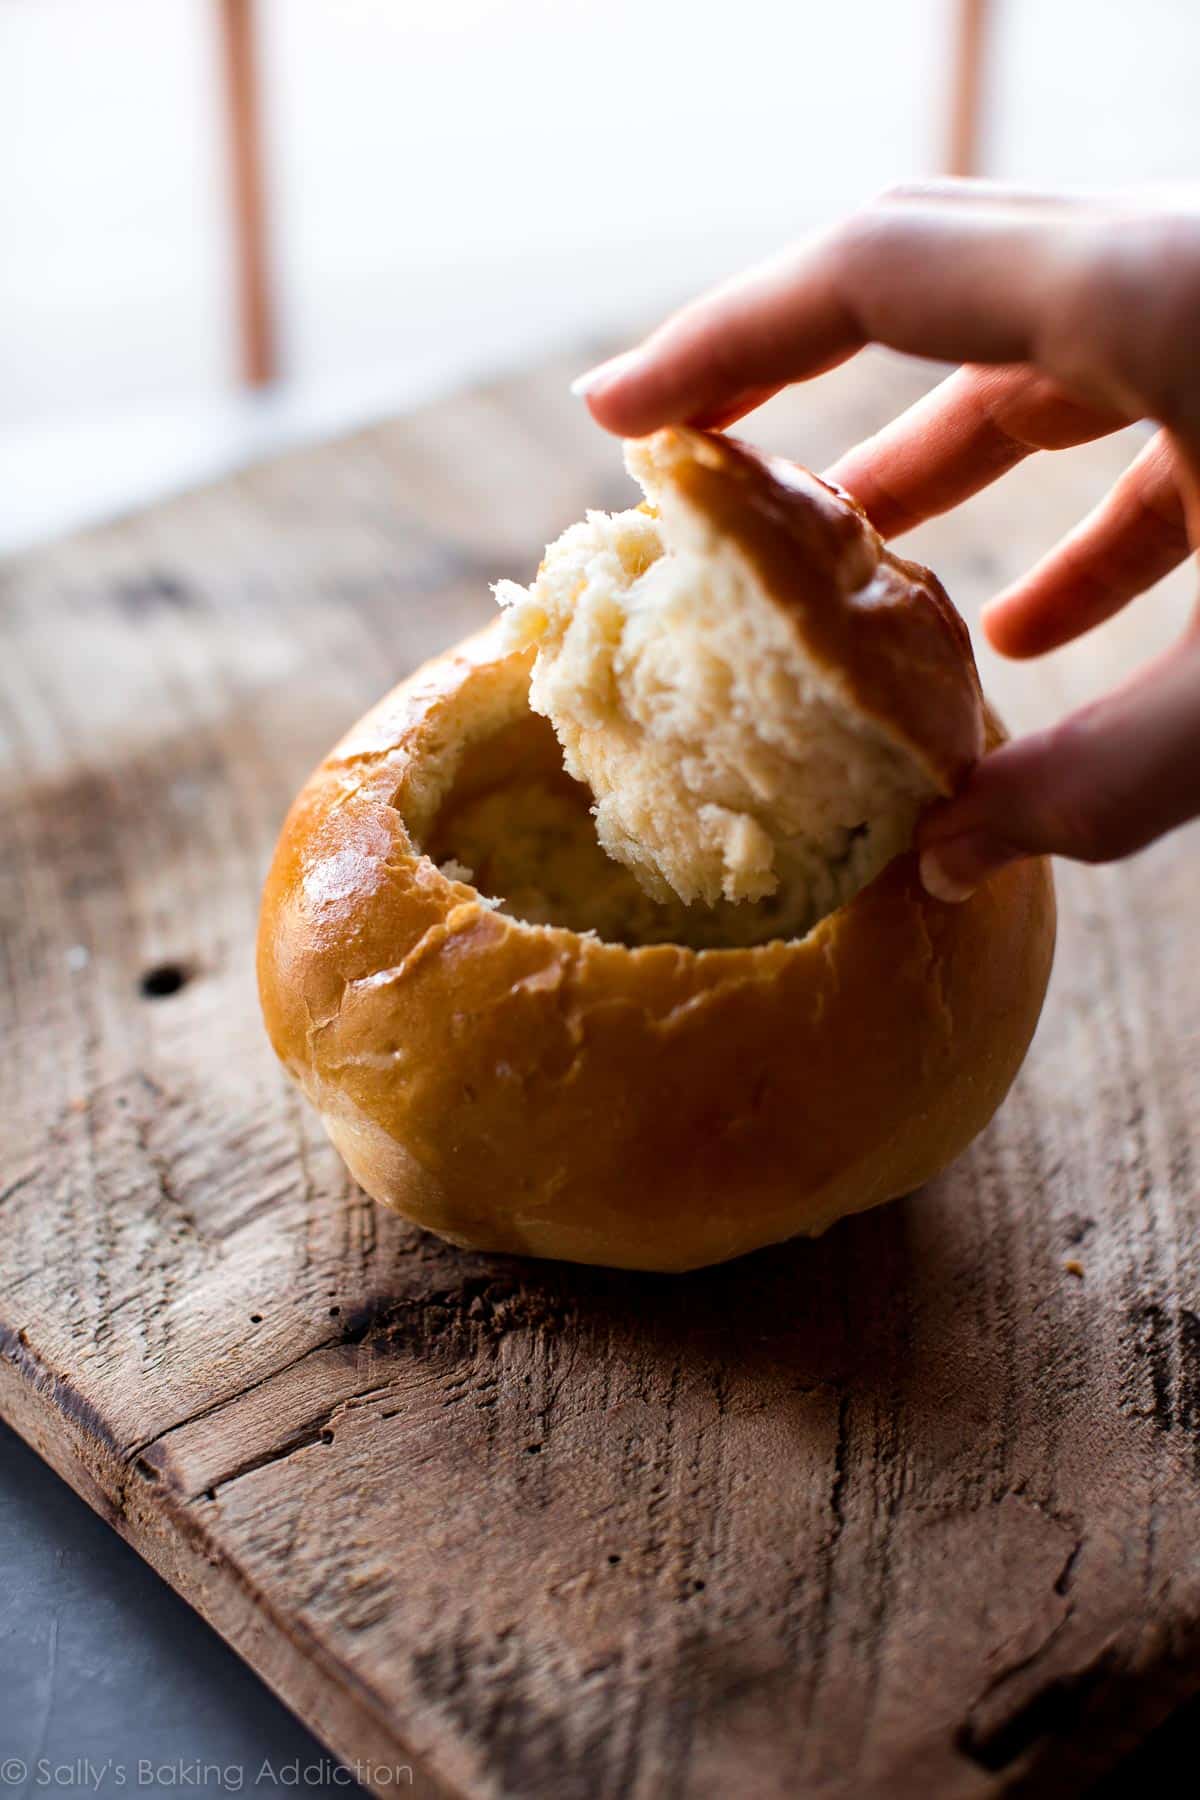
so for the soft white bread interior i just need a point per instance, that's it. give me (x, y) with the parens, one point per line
(689, 680)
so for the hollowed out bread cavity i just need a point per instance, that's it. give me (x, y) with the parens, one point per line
(733, 670)
(514, 825)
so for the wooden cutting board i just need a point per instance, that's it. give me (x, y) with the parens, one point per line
(909, 1510)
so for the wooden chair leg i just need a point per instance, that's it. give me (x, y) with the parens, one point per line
(258, 353)
(967, 92)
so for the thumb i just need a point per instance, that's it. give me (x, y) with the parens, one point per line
(1101, 784)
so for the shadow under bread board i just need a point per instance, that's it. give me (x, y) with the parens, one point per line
(911, 1509)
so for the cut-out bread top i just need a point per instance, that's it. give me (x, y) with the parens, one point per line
(758, 694)
(882, 628)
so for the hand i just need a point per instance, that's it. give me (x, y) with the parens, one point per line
(1071, 317)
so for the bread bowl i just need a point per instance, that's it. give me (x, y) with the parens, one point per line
(525, 1044)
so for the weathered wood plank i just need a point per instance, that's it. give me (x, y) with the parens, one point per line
(910, 1509)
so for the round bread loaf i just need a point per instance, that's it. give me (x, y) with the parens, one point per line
(525, 1045)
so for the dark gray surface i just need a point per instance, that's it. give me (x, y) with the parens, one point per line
(103, 1668)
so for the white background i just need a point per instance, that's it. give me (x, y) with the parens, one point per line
(458, 185)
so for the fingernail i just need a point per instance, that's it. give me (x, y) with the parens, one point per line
(952, 871)
(937, 880)
(605, 374)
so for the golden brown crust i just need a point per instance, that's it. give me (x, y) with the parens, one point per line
(525, 1089)
(883, 628)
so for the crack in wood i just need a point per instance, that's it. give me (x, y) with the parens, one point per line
(321, 1429)
(1051, 1711)
(22, 1181)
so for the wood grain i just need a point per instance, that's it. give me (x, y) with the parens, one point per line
(911, 1509)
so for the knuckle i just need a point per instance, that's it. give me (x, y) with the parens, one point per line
(861, 250)
(1076, 831)
(878, 217)
(1126, 311)
(852, 234)
(898, 193)
(1157, 338)
(1017, 405)
(1082, 816)
(1079, 830)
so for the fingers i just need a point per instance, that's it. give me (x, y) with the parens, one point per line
(970, 430)
(965, 279)
(1135, 536)
(1100, 785)
(953, 190)
(753, 334)
(736, 409)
